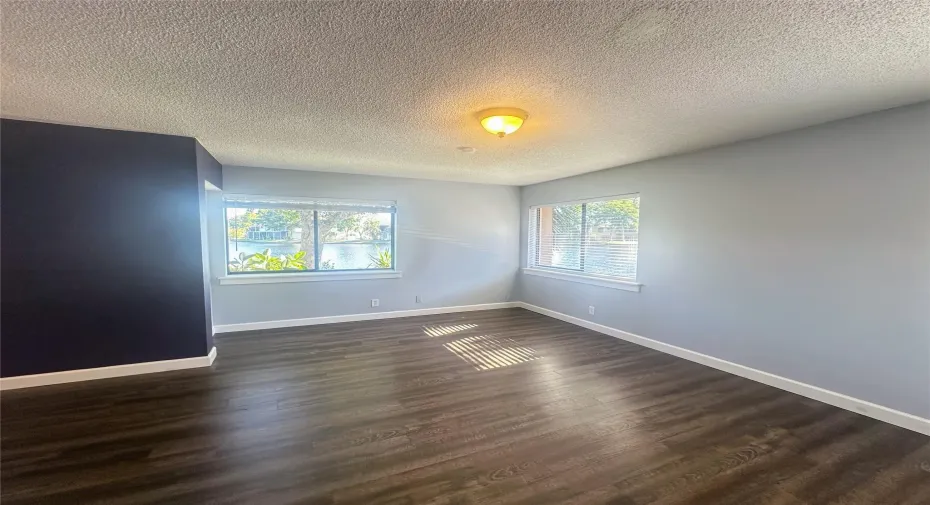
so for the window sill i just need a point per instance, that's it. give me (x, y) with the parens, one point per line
(586, 279)
(308, 277)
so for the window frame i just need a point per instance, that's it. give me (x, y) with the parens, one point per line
(571, 274)
(314, 273)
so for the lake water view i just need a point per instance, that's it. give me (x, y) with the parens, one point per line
(344, 255)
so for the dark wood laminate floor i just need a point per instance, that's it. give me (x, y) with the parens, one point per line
(503, 406)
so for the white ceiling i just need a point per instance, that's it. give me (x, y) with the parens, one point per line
(392, 88)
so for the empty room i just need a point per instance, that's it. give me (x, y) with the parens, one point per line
(459, 252)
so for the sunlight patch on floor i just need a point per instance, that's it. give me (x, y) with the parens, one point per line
(486, 352)
(441, 330)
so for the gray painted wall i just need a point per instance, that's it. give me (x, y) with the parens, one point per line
(804, 254)
(457, 244)
(209, 174)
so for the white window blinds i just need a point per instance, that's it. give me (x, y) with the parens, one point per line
(268, 202)
(597, 238)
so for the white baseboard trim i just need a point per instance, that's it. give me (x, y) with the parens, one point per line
(891, 416)
(106, 372)
(310, 321)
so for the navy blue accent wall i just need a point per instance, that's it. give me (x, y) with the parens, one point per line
(102, 260)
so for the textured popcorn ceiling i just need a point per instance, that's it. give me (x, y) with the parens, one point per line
(392, 88)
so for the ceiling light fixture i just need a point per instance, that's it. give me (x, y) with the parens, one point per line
(502, 121)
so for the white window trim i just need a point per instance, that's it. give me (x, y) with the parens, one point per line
(595, 199)
(312, 275)
(604, 282)
(235, 197)
(347, 275)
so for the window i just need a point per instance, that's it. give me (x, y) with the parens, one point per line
(295, 235)
(598, 238)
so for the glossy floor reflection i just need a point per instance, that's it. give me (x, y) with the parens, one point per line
(441, 330)
(492, 407)
(485, 352)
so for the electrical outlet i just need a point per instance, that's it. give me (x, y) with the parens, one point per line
(591, 309)
(419, 300)
(375, 302)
